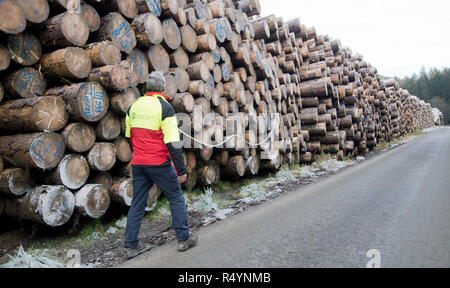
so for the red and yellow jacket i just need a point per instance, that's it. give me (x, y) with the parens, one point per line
(153, 130)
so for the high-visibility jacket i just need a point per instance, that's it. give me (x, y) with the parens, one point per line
(153, 129)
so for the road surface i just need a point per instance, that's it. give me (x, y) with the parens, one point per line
(397, 203)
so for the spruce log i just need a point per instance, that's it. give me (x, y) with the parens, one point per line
(252, 166)
(149, 6)
(206, 43)
(91, 17)
(101, 178)
(124, 153)
(208, 173)
(103, 53)
(171, 88)
(183, 103)
(182, 79)
(112, 77)
(102, 156)
(127, 8)
(5, 58)
(191, 181)
(71, 63)
(26, 83)
(172, 35)
(189, 39)
(92, 201)
(85, 101)
(121, 102)
(148, 29)
(122, 191)
(15, 182)
(152, 199)
(250, 7)
(179, 58)
(25, 49)
(235, 167)
(116, 29)
(139, 66)
(39, 150)
(13, 17)
(64, 30)
(158, 58)
(72, 172)
(49, 205)
(33, 114)
(79, 137)
(199, 71)
(108, 128)
(36, 11)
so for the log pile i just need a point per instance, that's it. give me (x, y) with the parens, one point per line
(70, 71)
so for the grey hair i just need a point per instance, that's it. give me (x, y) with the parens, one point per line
(156, 82)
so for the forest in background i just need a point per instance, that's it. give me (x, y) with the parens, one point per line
(432, 86)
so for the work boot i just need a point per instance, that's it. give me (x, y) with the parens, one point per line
(189, 243)
(134, 252)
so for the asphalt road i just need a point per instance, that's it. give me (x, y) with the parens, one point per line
(397, 203)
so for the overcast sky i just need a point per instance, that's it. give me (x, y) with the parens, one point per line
(396, 36)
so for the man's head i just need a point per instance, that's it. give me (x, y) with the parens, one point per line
(156, 82)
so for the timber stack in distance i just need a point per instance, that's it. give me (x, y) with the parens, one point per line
(70, 70)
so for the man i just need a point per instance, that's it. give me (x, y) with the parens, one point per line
(153, 132)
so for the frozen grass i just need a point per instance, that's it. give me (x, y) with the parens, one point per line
(205, 202)
(31, 259)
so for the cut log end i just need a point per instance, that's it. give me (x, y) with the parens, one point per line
(13, 17)
(92, 200)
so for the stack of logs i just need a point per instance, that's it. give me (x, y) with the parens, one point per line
(70, 70)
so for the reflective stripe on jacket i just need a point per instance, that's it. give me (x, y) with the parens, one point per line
(152, 127)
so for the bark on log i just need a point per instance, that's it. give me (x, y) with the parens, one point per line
(72, 172)
(121, 102)
(79, 137)
(39, 150)
(122, 191)
(103, 53)
(85, 101)
(49, 205)
(64, 30)
(112, 77)
(25, 49)
(33, 114)
(92, 201)
(13, 17)
(102, 156)
(15, 182)
(70, 63)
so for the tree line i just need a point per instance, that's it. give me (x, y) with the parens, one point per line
(432, 86)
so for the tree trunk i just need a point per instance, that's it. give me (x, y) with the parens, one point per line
(92, 201)
(72, 172)
(15, 182)
(49, 205)
(26, 83)
(103, 53)
(108, 128)
(85, 101)
(79, 137)
(122, 191)
(33, 114)
(148, 29)
(121, 102)
(158, 59)
(91, 17)
(25, 49)
(64, 30)
(102, 156)
(71, 63)
(116, 29)
(39, 150)
(13, 17)
(124, 153)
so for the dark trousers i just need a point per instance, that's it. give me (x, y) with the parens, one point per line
(166, 179)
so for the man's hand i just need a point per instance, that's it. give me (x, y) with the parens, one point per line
(182, 179)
